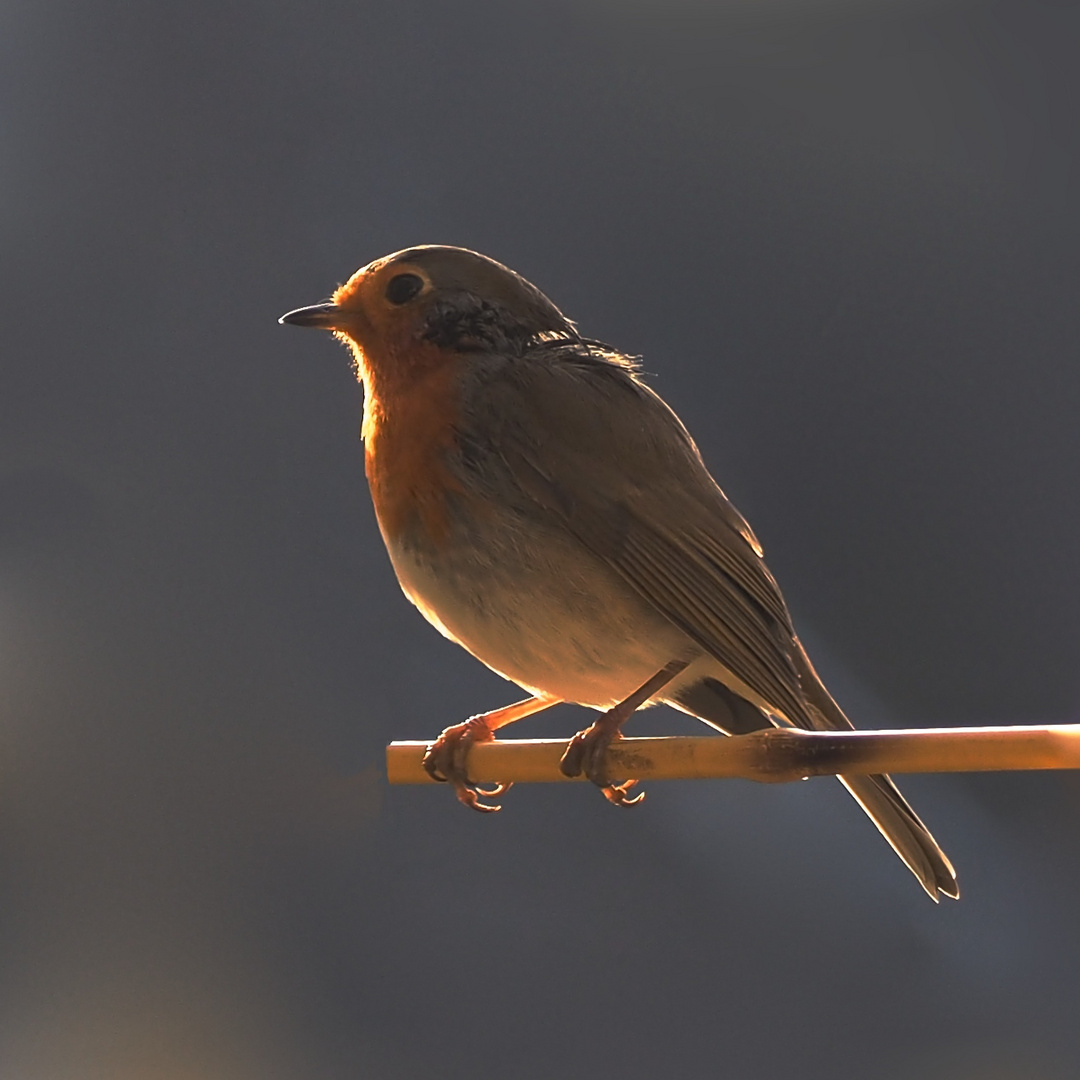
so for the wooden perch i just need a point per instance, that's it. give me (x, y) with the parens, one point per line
(772, 756)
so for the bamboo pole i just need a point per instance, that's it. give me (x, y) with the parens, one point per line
(773, 756)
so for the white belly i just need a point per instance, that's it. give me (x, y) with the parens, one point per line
(547, 616)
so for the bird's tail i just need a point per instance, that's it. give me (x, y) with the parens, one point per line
(710, 700)
(881, 798)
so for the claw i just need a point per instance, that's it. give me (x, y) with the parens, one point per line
(493, 792)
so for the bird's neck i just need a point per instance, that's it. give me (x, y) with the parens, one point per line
(398, 377)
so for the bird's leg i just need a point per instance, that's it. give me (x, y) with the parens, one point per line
(446, 758)
(587, 750)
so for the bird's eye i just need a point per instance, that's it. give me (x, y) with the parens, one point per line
(403, 288)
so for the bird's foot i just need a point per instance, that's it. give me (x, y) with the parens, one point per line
(446, 759)
(587, 753)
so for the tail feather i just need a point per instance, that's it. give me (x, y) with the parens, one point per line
(881, 798)
(710, 700)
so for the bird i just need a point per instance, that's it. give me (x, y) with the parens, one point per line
(544, 508)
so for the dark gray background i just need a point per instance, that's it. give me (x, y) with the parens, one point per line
(844, 237)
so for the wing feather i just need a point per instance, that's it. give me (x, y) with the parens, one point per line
(651, 511)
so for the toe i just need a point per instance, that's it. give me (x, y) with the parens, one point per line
(468, 796)
(447, 757)
(618, 794)
(573, 758)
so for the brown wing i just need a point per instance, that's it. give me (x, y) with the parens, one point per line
(590, 444)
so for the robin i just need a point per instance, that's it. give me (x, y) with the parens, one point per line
(545, 509)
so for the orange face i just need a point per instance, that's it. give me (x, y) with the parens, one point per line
(379, 301)
(378, 312)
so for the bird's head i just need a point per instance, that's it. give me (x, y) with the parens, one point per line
(426, 300)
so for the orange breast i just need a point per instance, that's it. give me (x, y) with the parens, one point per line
(408, 429)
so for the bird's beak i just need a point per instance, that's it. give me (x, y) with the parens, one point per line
(321, 316)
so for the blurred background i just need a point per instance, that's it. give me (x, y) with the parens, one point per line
(844, 238)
